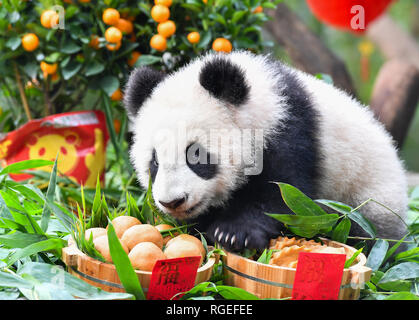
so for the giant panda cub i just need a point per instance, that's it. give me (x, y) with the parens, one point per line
(216, 133)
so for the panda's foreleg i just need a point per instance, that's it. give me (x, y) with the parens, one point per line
(243, 227)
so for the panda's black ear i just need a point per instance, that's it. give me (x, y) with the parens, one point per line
(139, 87)
(224, 80)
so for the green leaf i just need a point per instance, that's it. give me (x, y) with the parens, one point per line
(109, 84)
(402, 296)
(298, 202)
(233, 293)
(53, 57)
(93, 68)
(363, 222)
(14, 281)
(325, 77)
(351, 260)
(393, 249)
(55, 278)
(31, 69)
(146, 59)
(312, 222)
(19, 239)
(335, 205)
(24, 165)
(377, 254)
(341, 231)
(46, 212)
(237, 16)
(13, 43)
(71, 69)
(46, 245)
(70, 47)
(402, 271)
(126, 272)
(412, 254)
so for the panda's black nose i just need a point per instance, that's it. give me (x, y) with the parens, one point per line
(174, 203)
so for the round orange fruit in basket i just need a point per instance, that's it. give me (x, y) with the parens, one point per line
(163, 227)
(95, 232)
(123, 223)
(145, 255)
(188, 237)
(102, 245)
(142, 233)
(183, 248)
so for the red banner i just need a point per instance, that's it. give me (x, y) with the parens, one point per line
(79, 139)
(318, 276)
(172, 276)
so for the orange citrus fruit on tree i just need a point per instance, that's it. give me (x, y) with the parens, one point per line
(30, 42)
(145, 255)
(193, 37)
(122, 223)
(222, 45)
(117, 95)
(134, 57)
(205, 1)
(158, 42)
(125, 26)
(113, 35)
(258, 9)
(48, 68)
(142, 233)
(166, 3)
(113, 46)
(94, 42)
(117, 125)
(160, 13)
(110, 16)
(49, 18)
(167, 28)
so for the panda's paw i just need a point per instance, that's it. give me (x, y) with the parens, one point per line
(239, 236)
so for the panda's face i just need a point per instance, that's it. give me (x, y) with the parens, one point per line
(189, 125)
(181, 153)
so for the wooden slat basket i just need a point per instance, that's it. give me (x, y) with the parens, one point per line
(104, 275)
(269, 281)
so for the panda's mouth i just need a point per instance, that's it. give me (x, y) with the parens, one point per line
(193, 208)
(185, 214)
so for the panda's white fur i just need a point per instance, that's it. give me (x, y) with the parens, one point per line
(358, 159)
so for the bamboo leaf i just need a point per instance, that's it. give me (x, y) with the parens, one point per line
(46, 212)
(377, 254)
(25, 165)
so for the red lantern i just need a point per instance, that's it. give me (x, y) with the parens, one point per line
(346, 14)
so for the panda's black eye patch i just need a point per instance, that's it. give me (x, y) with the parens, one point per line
(199, 161)
(154, 165)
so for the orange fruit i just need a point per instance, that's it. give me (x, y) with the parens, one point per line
(166, 3)
(125, 26)
(222, 45)
(194, 37)
(182, 248)
(205, 1)
(167, 28)
(258, 9)
(48, 68)
(160, 13)
(113, 35)
(158, 42)
(113, 46)
(145, 255)
(84, 1)
(30, 42)
(117, 95)
(142, 233)
(117, 125)
(167, 238)
(123, 223)
(102, 245)
(110, 16)
(134, 57)
(49, 18)
(94, 42)
(96, 232)
(55, 77)
(188, 237)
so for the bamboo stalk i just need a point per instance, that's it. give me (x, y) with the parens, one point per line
(22, 92)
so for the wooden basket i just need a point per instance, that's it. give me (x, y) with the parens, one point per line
(104, 275)
(268, 281)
